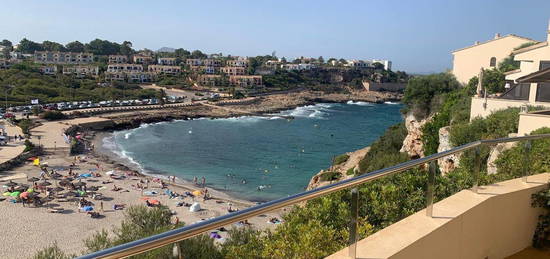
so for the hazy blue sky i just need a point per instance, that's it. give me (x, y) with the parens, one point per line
(416, 35)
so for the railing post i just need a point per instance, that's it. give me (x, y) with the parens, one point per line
(354, 214)
(526, 160)
(430, 190)
(477, 169)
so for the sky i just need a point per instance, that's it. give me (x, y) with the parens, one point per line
(417, 36)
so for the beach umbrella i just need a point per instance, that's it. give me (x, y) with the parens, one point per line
(195, 207)
(215, 235)
(15, 194)
(24, 194)
(33, 179)
(87, 208)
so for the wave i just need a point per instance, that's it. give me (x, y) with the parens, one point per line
(360, 103)
(109, 143)
(317, 111)
(388, 102)
(127, 135)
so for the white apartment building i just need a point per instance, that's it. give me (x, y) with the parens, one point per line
(298, 67)
(57, 57)
(167, 61)
(118, 59)
(81, 71)
(164, 69)
(48, 70)
(113, 68)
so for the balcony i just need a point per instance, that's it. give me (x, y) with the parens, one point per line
(496, 222)
(492, 221)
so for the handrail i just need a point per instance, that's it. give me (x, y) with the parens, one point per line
(172, 236)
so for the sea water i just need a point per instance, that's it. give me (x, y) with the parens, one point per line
(255, 158)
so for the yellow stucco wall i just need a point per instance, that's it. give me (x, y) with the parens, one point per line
(495, 223)
(467, 62)
(532, 121)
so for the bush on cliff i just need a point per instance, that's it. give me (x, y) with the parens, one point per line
(421, 92)
(340, 159)
(454, 110)
(330, 176)
(513, 161)
(53, 115)
(384, 152)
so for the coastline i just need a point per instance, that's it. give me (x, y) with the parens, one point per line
(108, 156)
(137, 119)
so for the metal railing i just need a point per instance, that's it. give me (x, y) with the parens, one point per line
(172, 236)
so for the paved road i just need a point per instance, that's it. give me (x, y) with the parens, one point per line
(131, 108)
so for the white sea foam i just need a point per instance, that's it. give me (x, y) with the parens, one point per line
(127, 135)
(110, 144)
(360, 103)
(388, 102)
(317, 111)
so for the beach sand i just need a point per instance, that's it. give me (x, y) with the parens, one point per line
(29, 229)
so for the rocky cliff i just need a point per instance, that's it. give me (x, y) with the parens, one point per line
(448, 163)
(412, 144)
(342, 169)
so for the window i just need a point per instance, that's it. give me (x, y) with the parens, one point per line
(544, 64)
(493, 62)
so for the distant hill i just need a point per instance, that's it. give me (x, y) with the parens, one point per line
(167, 49)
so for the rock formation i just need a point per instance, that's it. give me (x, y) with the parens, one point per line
(448, 163)
(412, 144)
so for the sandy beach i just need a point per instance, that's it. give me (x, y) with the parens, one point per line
(32, 228)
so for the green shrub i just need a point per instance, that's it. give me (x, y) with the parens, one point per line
(28, 145)
(454, 110)
(330, 176)
(51, 252)
(541, 237)
(384, 152)
(421, 92)
(25, 125)
(350, 171)
(512, 161)
(340, 159)
(53, 115)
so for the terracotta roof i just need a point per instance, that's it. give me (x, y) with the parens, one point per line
(529, 48)
(506, 36)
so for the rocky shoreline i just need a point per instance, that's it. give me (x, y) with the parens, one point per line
(262, 106)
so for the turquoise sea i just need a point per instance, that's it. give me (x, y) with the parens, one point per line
(240, 154)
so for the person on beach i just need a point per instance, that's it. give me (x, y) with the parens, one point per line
(203, 181)
(194, 180)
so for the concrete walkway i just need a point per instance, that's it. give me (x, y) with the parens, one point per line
(14, 148)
